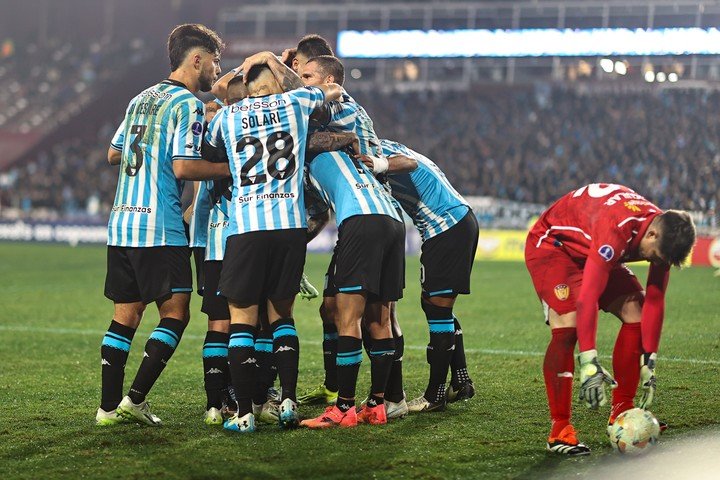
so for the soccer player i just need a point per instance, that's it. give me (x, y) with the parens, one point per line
(449, 232)
(576, 254)
(148, 258)
(310, 46)
(264, 138)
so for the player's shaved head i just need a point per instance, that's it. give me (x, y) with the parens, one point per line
(185, 38)
(261, 81)
(330, 66)
(236, 90)
(677, 236)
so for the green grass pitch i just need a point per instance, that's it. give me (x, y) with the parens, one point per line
(53, 316)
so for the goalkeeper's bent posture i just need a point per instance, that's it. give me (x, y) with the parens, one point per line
(576, 254)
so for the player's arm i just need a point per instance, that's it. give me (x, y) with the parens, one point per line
(285, 75)
(114, 157)
(219, 88)
(320, 142)
(593, 376)
(395, 164)
(200, 170)
(653, 314)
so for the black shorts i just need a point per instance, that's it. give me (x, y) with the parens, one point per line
(265, 265)
(147, 274)
(214, 305)
(198, 254)
(369, 257)
(447, 259)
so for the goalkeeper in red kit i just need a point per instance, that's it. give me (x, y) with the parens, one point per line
(576, 254)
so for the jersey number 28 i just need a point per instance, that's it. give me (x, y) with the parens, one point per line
(275, 166)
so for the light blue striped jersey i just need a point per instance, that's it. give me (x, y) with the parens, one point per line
(425, 193)
(264, 138)
(346, 115)
(163, 123)
(220, 195)
(349, 187)
(200, 216)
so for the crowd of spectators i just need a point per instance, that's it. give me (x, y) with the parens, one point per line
(527, 145)
(535, 144)
(41, 87)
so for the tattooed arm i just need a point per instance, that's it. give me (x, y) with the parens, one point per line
(285, 76)
(320, 142)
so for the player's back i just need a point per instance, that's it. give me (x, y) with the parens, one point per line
(162, 123)
(425, 194)
(264, 138)
(349, 187)
(605, 218)
(349, 116)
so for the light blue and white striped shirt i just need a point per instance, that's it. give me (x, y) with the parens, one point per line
(349, 187)
(200, 215)
(346, 115)
(425, 194)
(219, 220)
(264, 138)
(163, 123)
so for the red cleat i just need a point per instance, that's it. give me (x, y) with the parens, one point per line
(373, 415)
(332, 417)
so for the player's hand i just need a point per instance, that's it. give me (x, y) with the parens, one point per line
(647, 379)
(593, 378)
(377, 165)
(288, 56)
(307, 290)
(257, 59)
(355, 145)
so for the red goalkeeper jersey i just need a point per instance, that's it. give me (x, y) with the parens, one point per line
(601, 225)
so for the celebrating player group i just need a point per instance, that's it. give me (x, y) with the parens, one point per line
(282, 151)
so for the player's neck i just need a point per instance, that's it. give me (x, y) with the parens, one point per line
(189, 79)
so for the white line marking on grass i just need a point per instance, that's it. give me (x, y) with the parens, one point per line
(484, 351)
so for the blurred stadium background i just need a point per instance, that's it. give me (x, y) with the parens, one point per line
(513, 128)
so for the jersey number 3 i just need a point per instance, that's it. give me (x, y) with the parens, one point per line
(275, 166)
(138, 131)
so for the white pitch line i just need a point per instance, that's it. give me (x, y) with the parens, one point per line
(485, 351)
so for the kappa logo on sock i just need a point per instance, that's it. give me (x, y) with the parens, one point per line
(105, 362)
(285, 348)
(372, 403)
(249, 360)
(213, 370)
(145, 355)
(458, 331)
(345, 407)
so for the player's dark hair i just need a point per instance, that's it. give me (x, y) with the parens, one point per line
(330, 65)
(313, 46)
(238, 85)
(185, 37)
(677, 236)
(255, 72)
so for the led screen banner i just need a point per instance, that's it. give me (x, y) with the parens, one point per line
(543, 42)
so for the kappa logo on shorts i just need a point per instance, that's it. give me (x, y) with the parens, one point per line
(606, 252)
(562, 292)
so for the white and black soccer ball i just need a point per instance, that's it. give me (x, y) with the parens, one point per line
(634, 432)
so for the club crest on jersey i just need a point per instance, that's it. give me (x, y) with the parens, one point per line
(562, 292)
(196, 128)
(606, 252)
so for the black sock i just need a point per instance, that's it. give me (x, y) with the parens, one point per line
(394, 390)
(265, 373)
(458, 364)
(442, 343)
(349, 358)
(114, 352)
(345, 404)
(374, 400)
(367, 339)
(286, 349)
(158, 350)
(382, 356)
(215, 366)
(243, 366)
(330, 346)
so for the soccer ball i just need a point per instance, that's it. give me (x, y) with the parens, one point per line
(634, 432)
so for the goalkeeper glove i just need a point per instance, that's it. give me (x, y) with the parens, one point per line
(593, 378)
(647, 379)
(307, 290)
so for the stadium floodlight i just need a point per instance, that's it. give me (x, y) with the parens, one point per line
(672, 77)
(531, 42)
(607, 65)
(660, 77)
(649, 76)
(620, 68)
